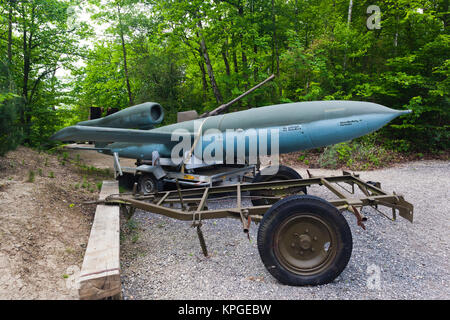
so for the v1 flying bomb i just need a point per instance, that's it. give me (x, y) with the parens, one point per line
(239, 138)
(298, 126)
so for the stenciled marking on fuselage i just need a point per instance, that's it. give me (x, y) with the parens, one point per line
(335, 109)
(292, 128)
(349, 122)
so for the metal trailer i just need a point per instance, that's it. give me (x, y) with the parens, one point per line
(302, 239)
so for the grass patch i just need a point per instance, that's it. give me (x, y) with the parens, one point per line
(131, 230)
(31, 176)
(91, 170)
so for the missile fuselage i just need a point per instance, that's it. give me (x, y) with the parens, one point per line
(294, 127)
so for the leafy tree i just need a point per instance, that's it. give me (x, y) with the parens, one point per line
(10, 106)
(198, 55)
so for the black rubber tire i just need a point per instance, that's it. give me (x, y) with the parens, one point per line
(304, 205)
(146, 180)
(284, 173)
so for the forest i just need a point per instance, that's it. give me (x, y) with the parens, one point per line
(58, 58)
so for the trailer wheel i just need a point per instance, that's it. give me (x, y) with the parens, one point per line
(304, 240)
(149, 184)
(284, 173)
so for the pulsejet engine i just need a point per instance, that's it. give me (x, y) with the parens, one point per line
(143, 116)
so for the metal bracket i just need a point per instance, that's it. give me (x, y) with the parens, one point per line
(117, 167)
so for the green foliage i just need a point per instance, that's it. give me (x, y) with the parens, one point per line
(85, 184)
(132, 230)
(360, 154)
(31, 176)
(41, 42)
(197, 55)
(91, 170)
(10, 107)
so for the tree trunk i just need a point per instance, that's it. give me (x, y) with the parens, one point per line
(225, 57)
(274, 42)
(10, 35)
(26, 70)
(349, 20)
(396, 36)
(124, 50)
(256, 70)
(10, 47)
(244, 66)
(235, 61)
(236, 68)
(255, 49)
(26, 65)
(227, 66)
(202, 69)
(350, 7)
(209, 67)
(243, 55)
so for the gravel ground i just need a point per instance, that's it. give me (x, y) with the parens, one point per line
(165, 261)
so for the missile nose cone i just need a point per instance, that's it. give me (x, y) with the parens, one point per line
(398, 113)
(376, 121)
(395, 112)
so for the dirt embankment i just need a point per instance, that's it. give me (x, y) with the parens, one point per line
(44, 228)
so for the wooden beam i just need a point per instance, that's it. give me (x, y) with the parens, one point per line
(100, 273)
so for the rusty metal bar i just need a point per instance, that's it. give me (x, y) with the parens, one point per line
(203, 200)
(201, 238)
(163, 198)
(179, 193)
(349, 201)
(255, 213)
(261, 185)
(239, 202)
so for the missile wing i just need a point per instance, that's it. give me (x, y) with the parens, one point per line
(102, 134)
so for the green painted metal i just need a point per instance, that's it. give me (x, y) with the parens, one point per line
(142, 116)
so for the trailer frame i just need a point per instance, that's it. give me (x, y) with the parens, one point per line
(193, 208)
(191, 204)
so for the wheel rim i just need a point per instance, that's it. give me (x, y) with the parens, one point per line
(148, 185)
(305, 244)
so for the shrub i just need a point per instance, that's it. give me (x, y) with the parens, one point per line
(356, 155)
